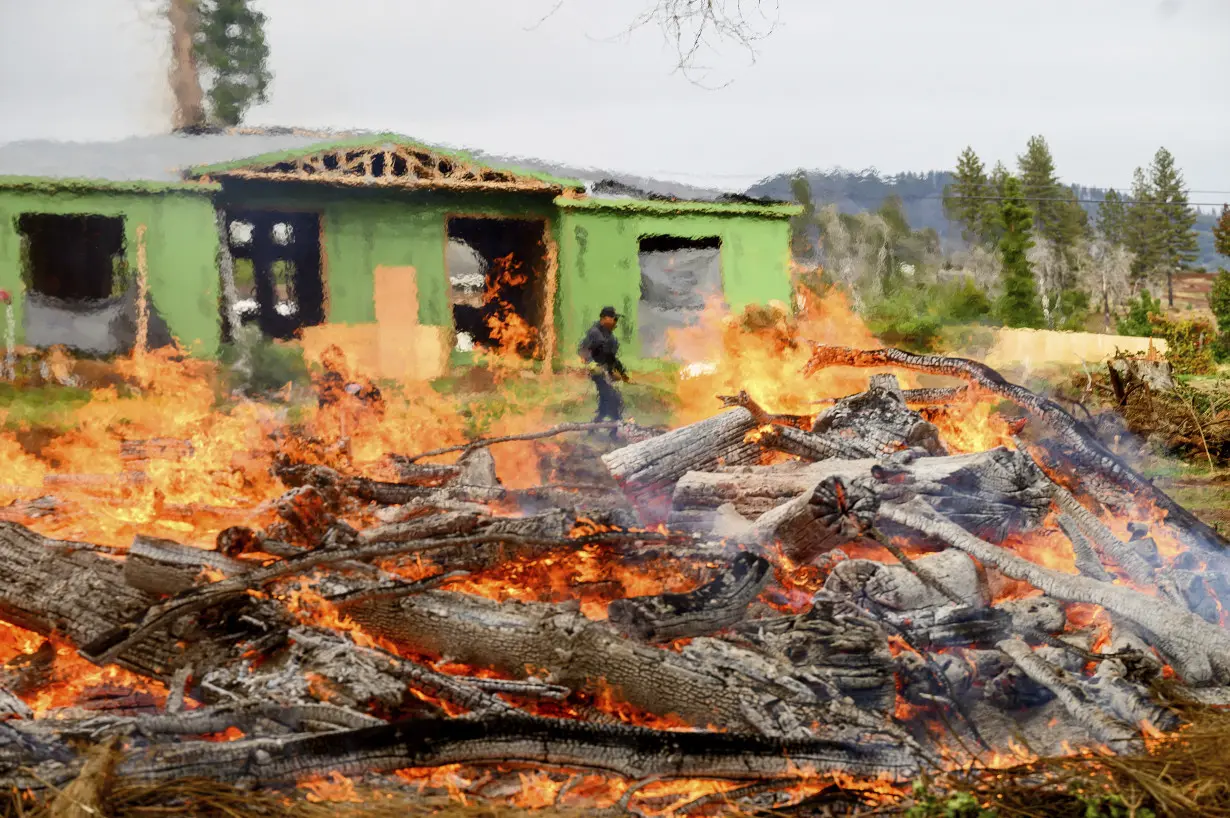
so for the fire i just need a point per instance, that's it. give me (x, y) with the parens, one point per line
(71, 675)
(336, 788)
(971, 425)
(762, 352)
(103, 493)
(591, 572)
(1045, 547)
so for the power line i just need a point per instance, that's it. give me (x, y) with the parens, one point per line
(1061, 199)
(762, 175)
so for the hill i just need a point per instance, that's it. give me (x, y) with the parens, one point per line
(922, 194)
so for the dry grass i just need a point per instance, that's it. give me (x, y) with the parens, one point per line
(209, 799)
(1185, 774)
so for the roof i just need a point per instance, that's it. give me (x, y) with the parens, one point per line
(720, 208)
(271, 161)
(161, 163)
(161, 158)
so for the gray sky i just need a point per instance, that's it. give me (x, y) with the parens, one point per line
(892, 84)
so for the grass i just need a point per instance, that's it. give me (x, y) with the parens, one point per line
(45, 406)
(565, 397)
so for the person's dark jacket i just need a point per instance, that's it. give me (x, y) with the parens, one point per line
(600, 346)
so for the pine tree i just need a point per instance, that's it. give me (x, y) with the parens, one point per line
(1018, 306)
(1040, 187)
(1219, 300)
(1112, 218)
(1177, 247)
(1140, 230)
(1221, 232)
(965, 201)
(230, 43)
(803, 226)
(996, 186)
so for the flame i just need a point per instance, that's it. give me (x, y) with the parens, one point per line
(71, 675)
(763, 352)
(218, 474)
(971, 425)
(592, 572)
(336, 788)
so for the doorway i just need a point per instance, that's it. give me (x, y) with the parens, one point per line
(278, 276)
(678, 277)
(497, 271)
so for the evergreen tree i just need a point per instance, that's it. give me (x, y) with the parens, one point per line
(997, 184)
(1219, 300)
(1176, 241)
(965, 200)
(1112, 218)
(1140, 231)
(1221, 232)
(1018, 306)
(230, 44)
(1058, 216)
(1040, 187)
(803, 226)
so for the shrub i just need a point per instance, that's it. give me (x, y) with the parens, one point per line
(1071, 310)
(1219, 300)
(255, 364)
(913, 316)
(1190, 344)
(1137, 322)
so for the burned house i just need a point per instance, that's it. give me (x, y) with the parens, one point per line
(390, 243)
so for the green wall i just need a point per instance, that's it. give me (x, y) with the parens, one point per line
(599, 264)
(366, 229)
(181, 251)
(363, 229)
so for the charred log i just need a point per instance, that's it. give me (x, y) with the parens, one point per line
(898, 589)
(423, 474)
(826, 517)
(990, 493)
(708, 682)
(1088, 457)
(710, 608)
(634, 752)
(647, 471)
(1105, 727)
(1200, 651)
(165, 567)
(877, 422)
(1084, 554)
(952, 626)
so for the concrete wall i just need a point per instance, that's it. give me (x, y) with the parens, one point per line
(599, 265)
(1032, 347)
(181, 250)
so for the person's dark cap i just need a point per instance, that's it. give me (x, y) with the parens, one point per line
(608, 312)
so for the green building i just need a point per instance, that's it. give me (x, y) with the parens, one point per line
(290, 230)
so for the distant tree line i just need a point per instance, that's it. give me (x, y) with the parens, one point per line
(1034, 254)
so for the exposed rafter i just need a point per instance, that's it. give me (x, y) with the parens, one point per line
(399, 166)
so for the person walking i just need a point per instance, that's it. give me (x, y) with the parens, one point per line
(599, 349)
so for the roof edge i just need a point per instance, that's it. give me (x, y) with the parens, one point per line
(772, 211)
(372, 140)
(53, 183)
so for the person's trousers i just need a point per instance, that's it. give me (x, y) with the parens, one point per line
(610, 403)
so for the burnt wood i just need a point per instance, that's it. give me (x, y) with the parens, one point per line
(710, 608)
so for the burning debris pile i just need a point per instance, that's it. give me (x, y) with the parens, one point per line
(751, 609)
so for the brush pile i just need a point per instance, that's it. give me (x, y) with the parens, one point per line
(753, 609)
